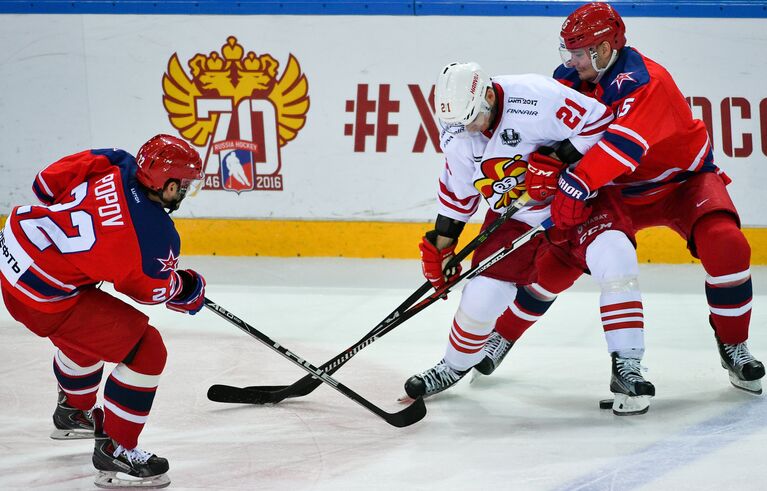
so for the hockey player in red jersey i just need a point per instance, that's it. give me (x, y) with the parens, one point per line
(493, 132)
(103, 218)
(661, 159)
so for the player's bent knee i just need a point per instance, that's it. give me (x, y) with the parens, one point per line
(718, 241)
(484, 299)
(612, 255)
(149, 355)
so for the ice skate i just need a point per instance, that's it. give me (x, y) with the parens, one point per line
(433, 380)
(122, 468)
(632, 392)
(745, 370)
(71, 423)
(495, 350)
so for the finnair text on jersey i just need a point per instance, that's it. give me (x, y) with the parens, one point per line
(526, 112)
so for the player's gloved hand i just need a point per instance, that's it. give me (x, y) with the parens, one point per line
(570, 207)
(542, 174)
(433, 260)
(192, 295)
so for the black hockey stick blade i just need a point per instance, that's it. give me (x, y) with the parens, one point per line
(262, 394)
(241, 395)
(411, 414)
(270, 394)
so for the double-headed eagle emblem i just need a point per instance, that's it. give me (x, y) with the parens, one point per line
(235, 75)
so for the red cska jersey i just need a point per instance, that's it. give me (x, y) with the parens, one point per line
(96, 224)
(654, 143)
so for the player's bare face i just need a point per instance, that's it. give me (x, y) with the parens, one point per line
(480, 123)
(580, 59)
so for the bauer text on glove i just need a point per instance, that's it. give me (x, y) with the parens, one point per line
(569, 207)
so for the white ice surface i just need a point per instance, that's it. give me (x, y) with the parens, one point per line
(533, 425)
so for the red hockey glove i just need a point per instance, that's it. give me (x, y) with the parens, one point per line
(541, 176)
(433, 260)
(569, 207)
(192, 295)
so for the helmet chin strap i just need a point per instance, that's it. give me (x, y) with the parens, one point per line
(601, 71)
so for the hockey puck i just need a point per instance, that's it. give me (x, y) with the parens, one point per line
(606, 404)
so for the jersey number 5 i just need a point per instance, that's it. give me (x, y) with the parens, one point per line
(571, 113)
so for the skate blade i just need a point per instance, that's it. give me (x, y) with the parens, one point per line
(750, 386)
(120, 480)
(475, 375)
(72, 434)
(624, 405)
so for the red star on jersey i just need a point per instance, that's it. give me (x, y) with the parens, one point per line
(622, 77)
(169, 264)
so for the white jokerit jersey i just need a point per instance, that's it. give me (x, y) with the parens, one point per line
(532, 111)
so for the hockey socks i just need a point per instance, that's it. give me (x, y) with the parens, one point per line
(130, 389)
(730, 306)
(467, 337)
(79, 382)
(530, 304)
(726, 256)
(620, 306)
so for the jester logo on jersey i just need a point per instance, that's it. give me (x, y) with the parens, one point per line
(241, 110)
(503, 181)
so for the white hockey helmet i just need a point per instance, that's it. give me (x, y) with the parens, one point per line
(460, 93)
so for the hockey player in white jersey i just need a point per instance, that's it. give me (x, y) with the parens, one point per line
(494, 131)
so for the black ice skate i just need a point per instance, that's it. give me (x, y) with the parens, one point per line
(71, 423)
(433, 380)
(122, 468)
(495, 350)
(632, 392)
(745, 370)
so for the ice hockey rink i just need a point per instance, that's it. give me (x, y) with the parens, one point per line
(534, 425)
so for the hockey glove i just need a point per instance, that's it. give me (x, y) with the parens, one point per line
(541, 176)
(192, 295)
(569, 207)
(433, 260)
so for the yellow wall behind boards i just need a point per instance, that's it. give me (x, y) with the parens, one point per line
(395, 240)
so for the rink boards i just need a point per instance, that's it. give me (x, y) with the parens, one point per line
(317, 131)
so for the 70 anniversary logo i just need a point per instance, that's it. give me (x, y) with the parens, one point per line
(241, 110)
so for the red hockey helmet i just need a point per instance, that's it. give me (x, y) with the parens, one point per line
(591, 24)
(166, 157)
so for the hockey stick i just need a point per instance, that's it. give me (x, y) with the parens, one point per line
(274, 394)
(411, 414)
